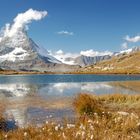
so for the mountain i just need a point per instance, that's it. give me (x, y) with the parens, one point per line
(84, 60)
(126, 62)
(20, 52)
(81, 60)
(88, 60)
(20, 48)
(127, 51)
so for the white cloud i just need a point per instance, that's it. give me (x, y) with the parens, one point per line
(66, 55)
(61, 87)
(94, 87)
(124, 45)
(59, 52)
(132, 39)
(63, 57)
(69, 58)
(93, 53)
(65, 33)
(21, 22)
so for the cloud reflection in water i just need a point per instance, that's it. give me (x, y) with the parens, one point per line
(26, 100)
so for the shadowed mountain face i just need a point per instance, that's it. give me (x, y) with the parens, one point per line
(21, 52)
(87, 60)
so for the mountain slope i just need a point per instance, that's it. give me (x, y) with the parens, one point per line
(20, 47)
(81, 60)
(88, 60)
(125, 63)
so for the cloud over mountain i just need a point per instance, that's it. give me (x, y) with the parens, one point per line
(21, 22)
(93, 53)
(82, 58)
(132, 39)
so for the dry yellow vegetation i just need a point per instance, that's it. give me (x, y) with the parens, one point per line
(104, 117)
(124, 64)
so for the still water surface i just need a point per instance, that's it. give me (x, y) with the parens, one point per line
(37, 98)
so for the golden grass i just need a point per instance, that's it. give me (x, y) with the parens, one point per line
(104, 117)
(85, 103)
(107, 102)
(124, 64)
(2, 106)
(105, 127)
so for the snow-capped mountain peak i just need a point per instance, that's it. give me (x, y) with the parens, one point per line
(20, 46)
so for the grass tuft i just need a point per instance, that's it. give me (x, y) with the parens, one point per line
(86, 104)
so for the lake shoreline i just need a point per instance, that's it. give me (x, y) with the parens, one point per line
(13, 72)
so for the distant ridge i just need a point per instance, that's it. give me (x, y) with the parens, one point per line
(125, 63)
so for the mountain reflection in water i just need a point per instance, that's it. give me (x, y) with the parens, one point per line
(36, 103)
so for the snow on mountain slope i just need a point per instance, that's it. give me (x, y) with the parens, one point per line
(20, 46)
(126, 51)
(43, 52)
(90, 57)
(17, 50)
(65, 58)
(16, 54)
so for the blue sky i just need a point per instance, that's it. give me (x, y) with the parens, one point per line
(93, 24)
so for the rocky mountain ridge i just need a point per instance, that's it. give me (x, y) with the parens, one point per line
(21, 52)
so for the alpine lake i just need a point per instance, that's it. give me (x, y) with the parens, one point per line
(35, 99)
